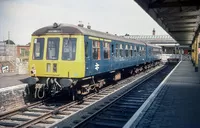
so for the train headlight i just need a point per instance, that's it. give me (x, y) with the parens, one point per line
(33, 71)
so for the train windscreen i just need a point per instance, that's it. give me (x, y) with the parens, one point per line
(38, 48)
(69, 49)
(53, 48)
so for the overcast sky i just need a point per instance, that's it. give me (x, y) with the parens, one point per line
(23, 17)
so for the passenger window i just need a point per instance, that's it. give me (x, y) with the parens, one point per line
(117, 50)
(131, 51)
(121, 50)
(106, 49)
(135, 50)
(69, 49)
(112, 49)
(86, 49)
(96, 50)
(53, 48)
(38, 48)
(126, 50)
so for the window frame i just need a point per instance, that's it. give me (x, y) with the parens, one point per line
(106, 49)
(72, 46)
(98, 47)
(41, 49)
(57, 46)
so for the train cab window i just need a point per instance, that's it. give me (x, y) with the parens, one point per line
(106, 50)
(121, 50)
(69, 49)
(38, 49)
(53, 48)
(126, 50)
(96, 50)
(131, 51)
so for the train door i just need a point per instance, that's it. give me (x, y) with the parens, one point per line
(88, 57)
(147, 53)
(105, 59)
(112, 55)
(96, 64)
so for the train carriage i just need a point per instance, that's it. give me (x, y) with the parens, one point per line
(73, 57)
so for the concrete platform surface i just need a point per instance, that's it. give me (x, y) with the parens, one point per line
(178, 103)
(11, 79)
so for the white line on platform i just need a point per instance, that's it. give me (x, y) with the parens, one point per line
(133, 121)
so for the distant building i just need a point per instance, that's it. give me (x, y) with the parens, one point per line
(2, 48)
(22, 50)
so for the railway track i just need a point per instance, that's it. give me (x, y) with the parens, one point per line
(118, 112)
(74, 114)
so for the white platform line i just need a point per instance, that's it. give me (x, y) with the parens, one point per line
(133, 121)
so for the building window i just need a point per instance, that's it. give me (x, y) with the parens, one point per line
(96, 50)
(106, 48)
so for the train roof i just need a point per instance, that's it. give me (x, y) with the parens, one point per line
(72, 29)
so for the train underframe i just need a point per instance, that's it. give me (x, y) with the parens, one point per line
(42, 87)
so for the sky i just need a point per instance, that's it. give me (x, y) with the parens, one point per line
(22, 17)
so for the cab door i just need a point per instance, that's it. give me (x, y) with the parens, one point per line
(88, 56)
(52, 55)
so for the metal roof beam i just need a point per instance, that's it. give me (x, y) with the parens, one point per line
(183, 21)
(180, 14)
(175, 4)
(182, 29)
(182, 25)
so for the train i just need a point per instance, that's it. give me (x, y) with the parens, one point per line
(78, 60)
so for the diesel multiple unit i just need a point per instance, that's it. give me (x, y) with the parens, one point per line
(78, 59)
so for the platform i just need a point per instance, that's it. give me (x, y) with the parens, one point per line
(11, 79)
(177, 105)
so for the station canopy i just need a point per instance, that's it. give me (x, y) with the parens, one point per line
(180, 18)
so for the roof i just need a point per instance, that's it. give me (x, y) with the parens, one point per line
(72, 29)
(180, 18)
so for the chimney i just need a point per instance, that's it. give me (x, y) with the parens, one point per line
(154, 32)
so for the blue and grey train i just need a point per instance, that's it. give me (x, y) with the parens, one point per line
(81, 59)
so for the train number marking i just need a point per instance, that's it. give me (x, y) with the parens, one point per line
(97, 66)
